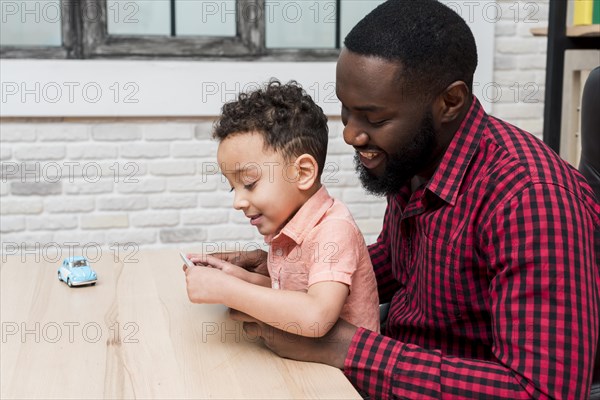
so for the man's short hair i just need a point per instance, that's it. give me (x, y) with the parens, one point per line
(433, 44)
(288, 119)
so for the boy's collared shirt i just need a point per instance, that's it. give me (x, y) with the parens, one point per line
(322, 243)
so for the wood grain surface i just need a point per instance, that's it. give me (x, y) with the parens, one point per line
(136, 335)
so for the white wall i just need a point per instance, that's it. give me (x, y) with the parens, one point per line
(87, 176)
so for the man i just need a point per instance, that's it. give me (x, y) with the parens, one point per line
(489, 248)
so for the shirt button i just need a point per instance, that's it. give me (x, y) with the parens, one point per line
(279, 252)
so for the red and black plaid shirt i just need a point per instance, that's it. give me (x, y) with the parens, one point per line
(491, 271)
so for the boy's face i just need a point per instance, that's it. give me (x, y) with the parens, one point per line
(265, 185)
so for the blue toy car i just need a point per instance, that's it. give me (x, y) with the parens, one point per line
(76, 271)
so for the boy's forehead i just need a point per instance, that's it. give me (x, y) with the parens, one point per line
(245, 151)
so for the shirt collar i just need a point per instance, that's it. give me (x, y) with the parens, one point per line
(306, 218)
(448, 177)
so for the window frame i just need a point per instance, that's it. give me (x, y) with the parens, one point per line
(88, 38)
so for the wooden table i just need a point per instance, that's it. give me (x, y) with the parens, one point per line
(136, 335)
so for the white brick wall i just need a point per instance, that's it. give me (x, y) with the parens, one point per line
(152, 183)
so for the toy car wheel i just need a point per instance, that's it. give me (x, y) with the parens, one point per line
(93, 283)
(69, 282)
(59, 278)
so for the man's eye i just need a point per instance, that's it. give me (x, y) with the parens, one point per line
(378, 123)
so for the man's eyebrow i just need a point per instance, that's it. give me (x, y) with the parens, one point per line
(369, 108)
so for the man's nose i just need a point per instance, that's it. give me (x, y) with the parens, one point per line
(354, 135)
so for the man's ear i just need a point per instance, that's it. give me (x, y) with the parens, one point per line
(307, 170)
(451, 102)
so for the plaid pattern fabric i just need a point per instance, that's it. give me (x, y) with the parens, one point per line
(491, 271)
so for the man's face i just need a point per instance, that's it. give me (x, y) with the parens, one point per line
(394, 136)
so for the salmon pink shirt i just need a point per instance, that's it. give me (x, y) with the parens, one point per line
(322, 243)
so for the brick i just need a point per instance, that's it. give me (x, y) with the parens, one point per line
(358, 195)
(505, 28)
(174, 201)
(89, 152)
(167, 131)
(359, 210)
(69, 204)
(32, 241)
(80, 239)
(193, 149)
(378, 210)
(203, 130)
(170, 168)
(45, 223)
(534, 61)
(338, 146)
(122, 203)
(145, 185)
(510, 78)
(370, 226)
(155, 219)
(123, 171)
(17, 132)
(4, 189)
(5, 152)
(216, 199)
(21, 206)
(39, 152)
(520, 110)
(116, 132)
(336, 178)
(133, 239)
(62, 132)
(504, 62)
(11, 224)
(86, 187)
(204, 217)
(144, 150)
(182, 235)
(508, 45)
(104, 221)
(40, 189)
(193, 184)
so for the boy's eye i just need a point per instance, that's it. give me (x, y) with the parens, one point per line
(249, 186)
(231, 190)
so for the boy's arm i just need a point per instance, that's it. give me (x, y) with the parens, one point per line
(307, 314)
(233, 270)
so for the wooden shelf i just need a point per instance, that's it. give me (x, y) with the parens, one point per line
(572, 31)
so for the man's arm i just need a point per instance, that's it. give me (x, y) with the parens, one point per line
(544, 304)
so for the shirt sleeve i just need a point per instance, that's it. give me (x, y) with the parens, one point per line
(544, 304)
(380, 257)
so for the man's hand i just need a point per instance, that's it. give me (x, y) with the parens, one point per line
(253, 261)
(330, 349)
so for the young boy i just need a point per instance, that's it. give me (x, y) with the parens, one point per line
(272, 148)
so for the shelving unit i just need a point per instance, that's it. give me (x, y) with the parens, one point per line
(561, 38)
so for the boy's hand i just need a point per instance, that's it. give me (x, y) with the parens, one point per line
(254, 261)
(225, 266)
(204, 284)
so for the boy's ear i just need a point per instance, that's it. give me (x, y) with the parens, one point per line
(307, 170)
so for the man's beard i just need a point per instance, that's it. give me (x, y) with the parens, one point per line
(402, 165)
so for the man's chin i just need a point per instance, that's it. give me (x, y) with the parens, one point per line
(378, 186)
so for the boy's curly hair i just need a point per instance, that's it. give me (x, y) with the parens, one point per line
(284, 114)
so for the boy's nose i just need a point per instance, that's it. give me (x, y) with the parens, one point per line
(239, 202)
